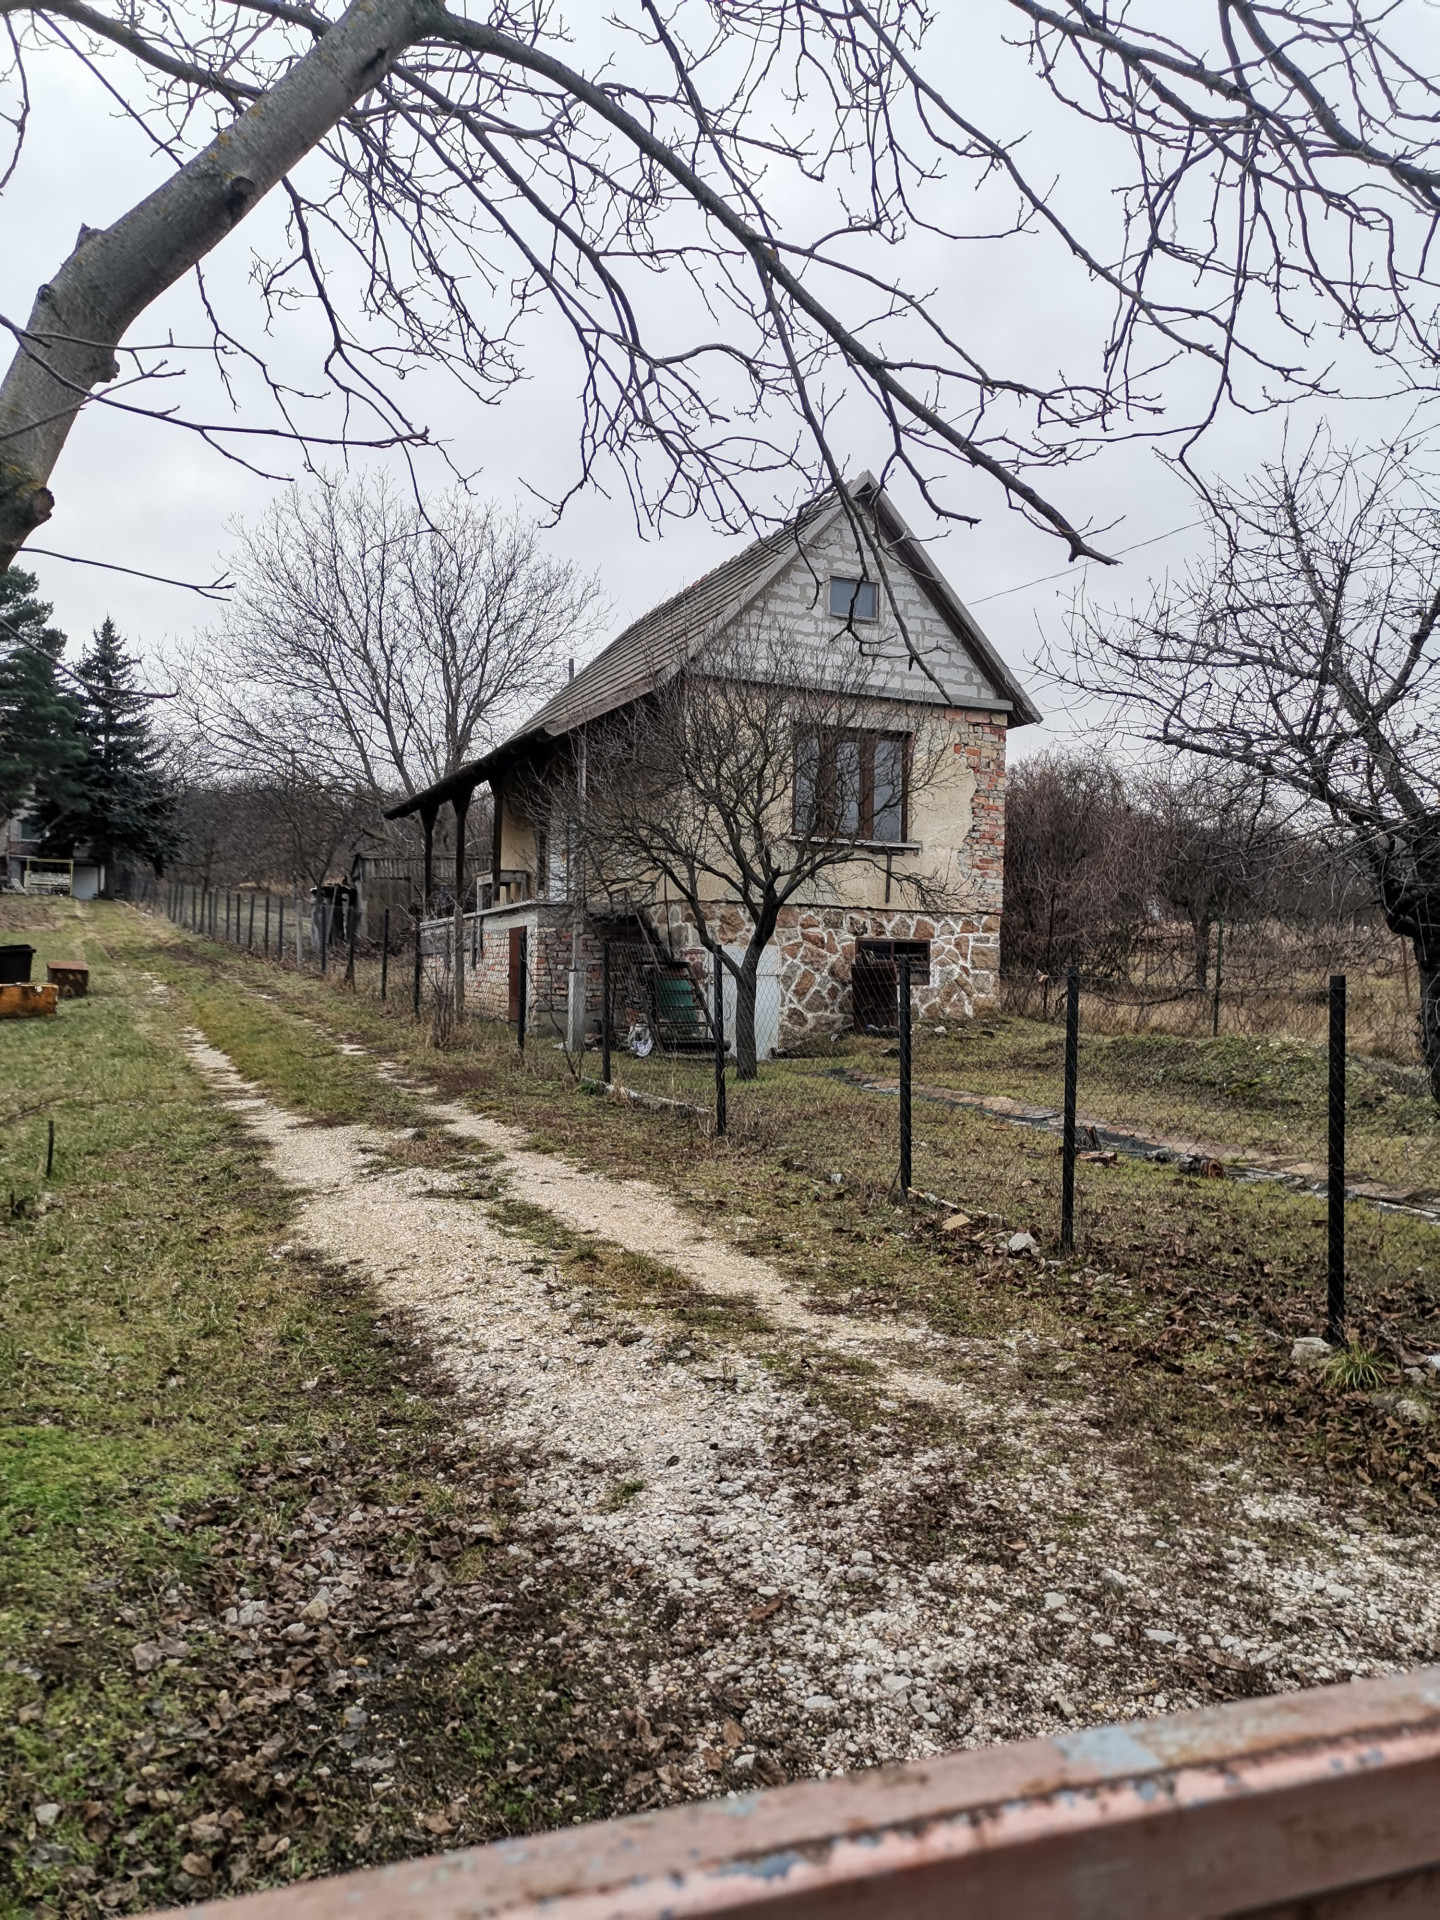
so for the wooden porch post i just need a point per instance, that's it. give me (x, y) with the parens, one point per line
(427, 820)
(462, 808)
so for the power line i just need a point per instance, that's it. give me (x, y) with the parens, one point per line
(1065, 573)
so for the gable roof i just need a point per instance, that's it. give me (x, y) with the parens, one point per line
(655, 647)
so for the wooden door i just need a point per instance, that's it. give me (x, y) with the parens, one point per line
(517, 963)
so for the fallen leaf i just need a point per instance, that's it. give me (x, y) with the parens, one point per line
(147, 1656)
(435, 1823)
(733, 1734)
(198, 1865)
(770, 1606)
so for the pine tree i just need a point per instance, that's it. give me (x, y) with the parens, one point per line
(125, 808)
(41, 747)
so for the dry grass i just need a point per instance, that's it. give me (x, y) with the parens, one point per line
(1225, 1272)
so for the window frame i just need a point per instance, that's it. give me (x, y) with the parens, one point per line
(857, 586)
(866, 739)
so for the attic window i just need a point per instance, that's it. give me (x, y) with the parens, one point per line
(854, 599)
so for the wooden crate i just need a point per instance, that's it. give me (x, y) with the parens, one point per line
(70, 977)
(24, 1002)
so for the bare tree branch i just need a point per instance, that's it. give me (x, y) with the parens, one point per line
(1270, 191)
(1306, 651)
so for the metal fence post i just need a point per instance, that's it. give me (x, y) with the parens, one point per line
(353, 917)
(605, 1012)
(267, 924)
(280, 934)
(385, 954)
(903, 1011)
(1335, 1279)
(324, 935)
(1072, 1079)
(419, 956)
(721, 1117)
(250, 929)
(1219, 972)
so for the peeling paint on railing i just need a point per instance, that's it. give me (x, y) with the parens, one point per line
(1319, 1804)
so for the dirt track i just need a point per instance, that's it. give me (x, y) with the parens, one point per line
(975, 1566)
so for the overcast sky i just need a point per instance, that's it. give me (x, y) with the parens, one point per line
(155, 497)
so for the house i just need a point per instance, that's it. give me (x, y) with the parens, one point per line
(809, 582)
(25, 869)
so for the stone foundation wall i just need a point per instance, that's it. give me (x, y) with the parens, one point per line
(816, 948)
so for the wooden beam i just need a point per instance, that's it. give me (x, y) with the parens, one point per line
(1321, 1803)
(462, 808)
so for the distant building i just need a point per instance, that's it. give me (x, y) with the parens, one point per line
(25, 869)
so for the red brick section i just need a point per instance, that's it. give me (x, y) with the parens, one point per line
(1318, 1805)
(981, 742)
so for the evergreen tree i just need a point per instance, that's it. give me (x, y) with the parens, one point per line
(41, 746)
(125, 805)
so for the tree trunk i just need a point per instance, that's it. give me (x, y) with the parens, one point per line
(746, 1065)
(81, 316)
(1427, 966)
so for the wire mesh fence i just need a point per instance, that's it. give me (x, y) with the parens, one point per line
(1243, 1155)
(1303, 1178)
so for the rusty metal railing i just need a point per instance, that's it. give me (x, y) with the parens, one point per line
(1323, 1805)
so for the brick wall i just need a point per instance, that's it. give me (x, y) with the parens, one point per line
(548, 931)
(817, 943)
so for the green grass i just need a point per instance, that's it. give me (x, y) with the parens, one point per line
(178, 1394)
(1261, 1094)
(179, 1388)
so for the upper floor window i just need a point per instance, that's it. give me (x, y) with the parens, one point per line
(854, 599)
(851, 784)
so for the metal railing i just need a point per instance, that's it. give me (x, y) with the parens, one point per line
(1323, 1804)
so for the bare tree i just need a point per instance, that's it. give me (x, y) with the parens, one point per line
(1078, 868)
(282, 826)
(1217, 840)
(707, 199)
(747, 782)
(1305, 652)
(386, 640)
(1074, 878)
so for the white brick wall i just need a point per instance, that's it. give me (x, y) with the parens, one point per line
(798, 603)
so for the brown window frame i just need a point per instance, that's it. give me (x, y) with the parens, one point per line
(867, 739)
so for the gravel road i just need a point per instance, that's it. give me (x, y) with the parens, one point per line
(826, 1593)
